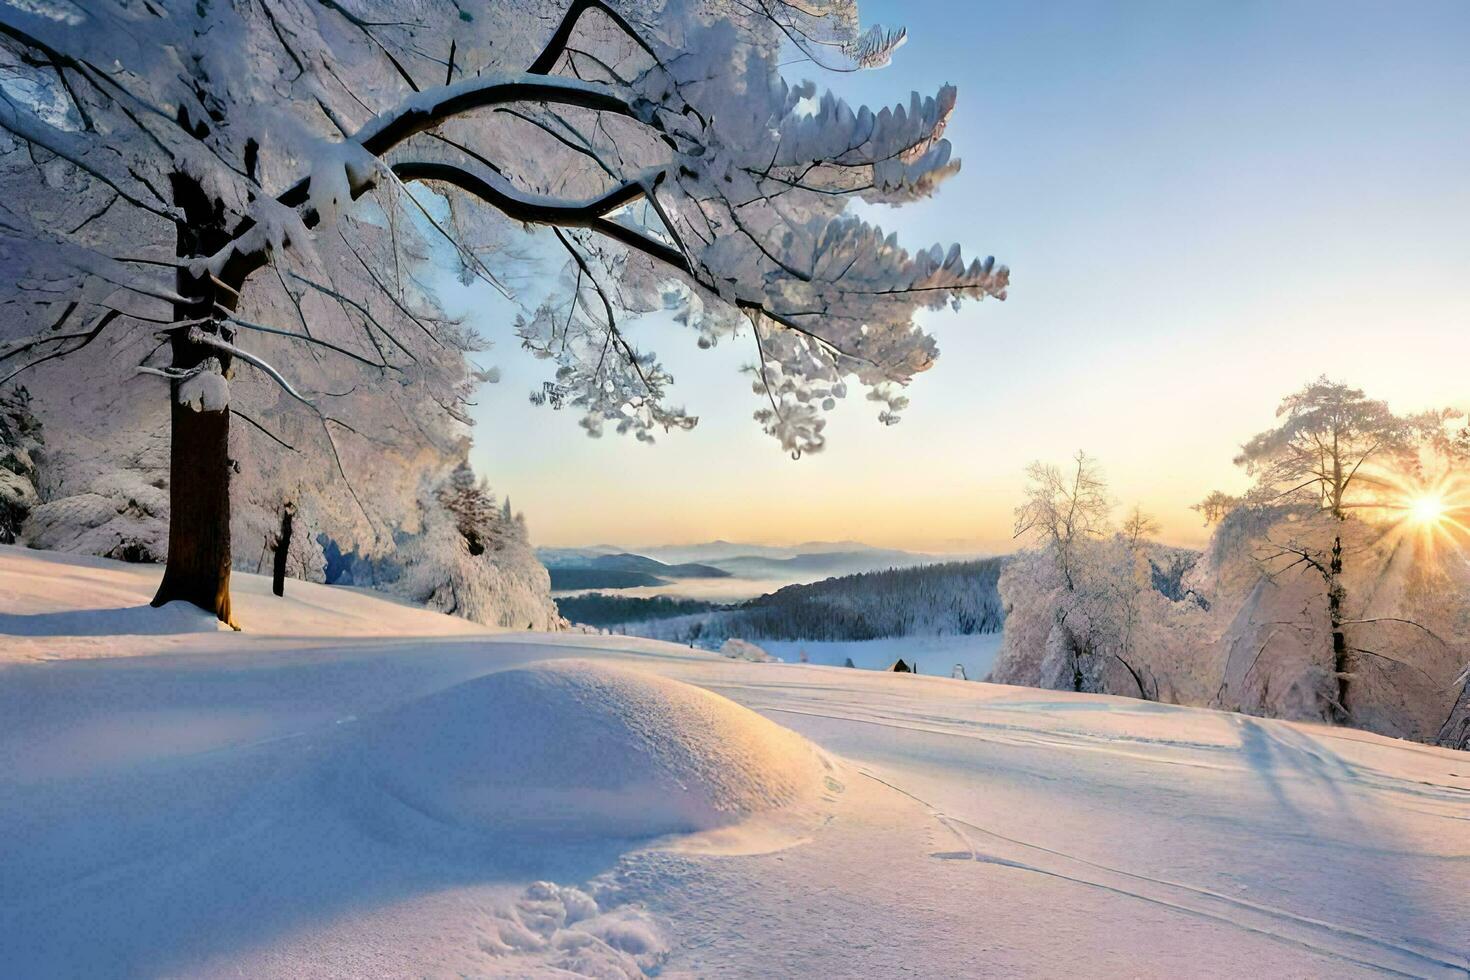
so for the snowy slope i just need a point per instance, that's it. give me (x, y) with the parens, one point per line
(176, 800)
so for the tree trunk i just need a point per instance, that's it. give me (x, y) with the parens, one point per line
(1341, 660)
(1142, 691)
(1075, 647)
(198, 569)
(283, 548)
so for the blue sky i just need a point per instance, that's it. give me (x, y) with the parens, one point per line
(1203, 206)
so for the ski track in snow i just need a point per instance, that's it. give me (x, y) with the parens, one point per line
(1129, 747)
(990, 847)
(188, 812)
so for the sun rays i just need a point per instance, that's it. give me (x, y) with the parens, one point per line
(1428, 509)
(1432, 513)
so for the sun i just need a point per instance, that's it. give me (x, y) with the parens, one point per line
(1427, 509)
(1430, 515)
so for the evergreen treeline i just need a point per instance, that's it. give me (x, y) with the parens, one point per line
(953, 598)
(601, 609)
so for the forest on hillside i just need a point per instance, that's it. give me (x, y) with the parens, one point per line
(951, 598)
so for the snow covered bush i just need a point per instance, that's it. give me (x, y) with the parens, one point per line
(20, 438)
(117, 516)
(737, 649)
(473, 559)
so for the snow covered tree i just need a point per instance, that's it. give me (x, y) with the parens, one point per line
(1455, 732)
(1333, 589)
(469, 559)
(1334, 450)
(1089, 610)
(208, 150)
(470, 501)
(1132, 579)
(1064, 509)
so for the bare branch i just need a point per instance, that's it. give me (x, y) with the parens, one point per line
(277, 331)
(267, 432)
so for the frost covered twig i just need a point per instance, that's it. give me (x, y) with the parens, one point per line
(198, 336)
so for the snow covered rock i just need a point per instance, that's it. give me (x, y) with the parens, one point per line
(583, 749)
(745, 650)
(118, 515)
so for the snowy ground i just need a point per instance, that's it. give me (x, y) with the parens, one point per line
(935, 655)
(321, 796)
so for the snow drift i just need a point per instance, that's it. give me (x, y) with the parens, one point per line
(737, 649)
(585, 749)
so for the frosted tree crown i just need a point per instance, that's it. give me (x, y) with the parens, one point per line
(658, 147)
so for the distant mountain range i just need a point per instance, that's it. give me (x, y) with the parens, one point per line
(578, 568)
(613, 567)
(623, 561)
(718, 551)
(824, 563)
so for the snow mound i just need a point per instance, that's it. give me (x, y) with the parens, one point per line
(737, 649)
(584, 749)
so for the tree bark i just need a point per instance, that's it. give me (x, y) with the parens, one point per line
(1341, 665)
(283, 548)
(198, 569)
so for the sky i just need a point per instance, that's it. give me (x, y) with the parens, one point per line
(1203, 206)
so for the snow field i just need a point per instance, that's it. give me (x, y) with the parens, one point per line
(351, 787)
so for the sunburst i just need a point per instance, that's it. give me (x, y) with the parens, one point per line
(1426, 510)
(1433, 512)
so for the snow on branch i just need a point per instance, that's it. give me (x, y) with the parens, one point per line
(671, 157)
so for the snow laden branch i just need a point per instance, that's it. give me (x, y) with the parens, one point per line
(284, 168)
(740, 221)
